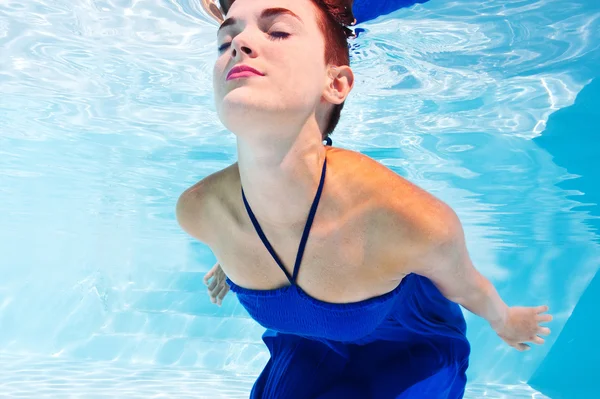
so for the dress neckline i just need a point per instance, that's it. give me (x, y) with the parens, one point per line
(324, 304)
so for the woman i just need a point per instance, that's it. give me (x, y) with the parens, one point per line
(355, 272)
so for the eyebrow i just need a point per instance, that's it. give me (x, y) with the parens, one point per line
(267, 13)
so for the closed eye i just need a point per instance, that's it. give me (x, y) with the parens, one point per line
(272, 36)
(279, 35)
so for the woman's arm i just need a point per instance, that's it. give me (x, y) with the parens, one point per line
(198, 209)
(444, 259)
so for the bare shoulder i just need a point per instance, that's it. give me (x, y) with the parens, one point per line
(406, 220)
(204, 203)
(429, 230)
(391, 193)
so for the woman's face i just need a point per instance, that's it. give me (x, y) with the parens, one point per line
(281, 40)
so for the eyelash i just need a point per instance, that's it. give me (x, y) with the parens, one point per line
(272, 36)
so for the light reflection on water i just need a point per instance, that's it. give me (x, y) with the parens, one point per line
(106, 116)
(56, 379)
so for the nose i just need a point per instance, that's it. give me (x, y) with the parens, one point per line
(241, 46)
(243, 49)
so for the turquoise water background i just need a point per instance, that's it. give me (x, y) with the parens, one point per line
(107, 115)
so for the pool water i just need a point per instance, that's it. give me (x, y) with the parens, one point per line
(58, 378)
(107, 115)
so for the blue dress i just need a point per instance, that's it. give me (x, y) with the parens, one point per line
(408, 343)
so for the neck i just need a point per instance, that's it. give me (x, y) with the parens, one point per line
(280, 177)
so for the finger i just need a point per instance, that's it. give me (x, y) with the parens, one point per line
(211, 297)
(544, 318)
(208, 275)
(213, 284)
(542, 309)
(217, 292)
(543, 331)
(215, 287)
(538, 340)
(213, 294)
(522, 347)
(223, 292)
(222, 295)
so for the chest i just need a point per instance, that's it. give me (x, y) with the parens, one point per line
(341, 263)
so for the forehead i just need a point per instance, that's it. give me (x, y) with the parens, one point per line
(245, 8)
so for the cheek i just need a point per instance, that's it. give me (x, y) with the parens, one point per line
(312, 73)
(217, 72)
(301, 68)
(312, 60)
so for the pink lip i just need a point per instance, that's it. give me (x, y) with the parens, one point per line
(242, 71)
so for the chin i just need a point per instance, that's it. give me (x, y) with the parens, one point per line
(241, 116)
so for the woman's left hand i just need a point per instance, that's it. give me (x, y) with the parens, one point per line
(522, 325)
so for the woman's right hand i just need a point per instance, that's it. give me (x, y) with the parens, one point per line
(218, 287)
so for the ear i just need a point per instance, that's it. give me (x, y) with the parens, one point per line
(340, 81)
(213, 10)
